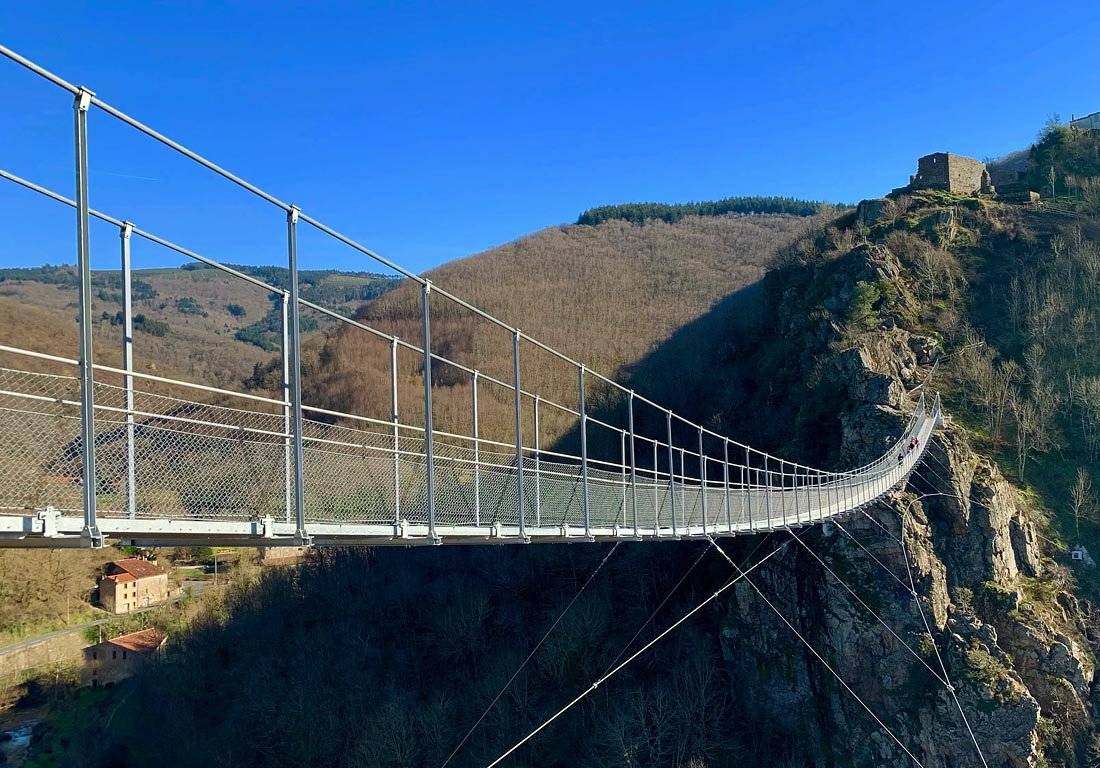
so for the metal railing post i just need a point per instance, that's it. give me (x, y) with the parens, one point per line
(622, 470)
(477, 454)
(671, 471)
(394, 416)
(125, 233)
(813, 491)
(726, 481)
(538, 462)
(768, 490)
(429, 437)
(296, 378)
(683, 491)
(703, 480)
(794, 493)
(633, 461)
(288, 458)
(746, 483)
(584, 452)
(656, 495)
(519, 435)
(782, 492)
(87, 379)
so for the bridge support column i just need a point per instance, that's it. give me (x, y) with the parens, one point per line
(295, 346)
(429, 437)
(125, 232)
(91, 531)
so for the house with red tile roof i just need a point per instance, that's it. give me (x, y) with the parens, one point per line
(120, 657)
(132, 583)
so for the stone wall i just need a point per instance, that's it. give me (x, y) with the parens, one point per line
(1088, 121)
(66, 647)
(951, 173)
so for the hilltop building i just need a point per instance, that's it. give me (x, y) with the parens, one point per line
(120, 657)
(132, 583)
(952, 173)
(1091, 122)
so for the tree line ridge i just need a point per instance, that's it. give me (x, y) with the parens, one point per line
(670, 213)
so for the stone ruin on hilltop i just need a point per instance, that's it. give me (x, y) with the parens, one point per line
(952, 173)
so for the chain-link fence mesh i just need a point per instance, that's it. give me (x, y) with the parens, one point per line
(196, 460)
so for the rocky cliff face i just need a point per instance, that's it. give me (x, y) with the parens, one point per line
(953, 565)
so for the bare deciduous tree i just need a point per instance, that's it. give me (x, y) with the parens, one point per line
(1081, 498)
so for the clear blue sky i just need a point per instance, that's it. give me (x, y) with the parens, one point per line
(432, 131)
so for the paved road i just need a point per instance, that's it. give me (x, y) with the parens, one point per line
(30, 642)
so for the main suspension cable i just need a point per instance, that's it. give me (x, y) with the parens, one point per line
(912, 588)
(530, 655)
(636, 654)
(856, 696)
(660, 605)
(869, 609)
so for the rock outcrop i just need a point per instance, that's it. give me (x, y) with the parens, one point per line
(944, 582)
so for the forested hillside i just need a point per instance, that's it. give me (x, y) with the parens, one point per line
(606, 295)
(194, 322)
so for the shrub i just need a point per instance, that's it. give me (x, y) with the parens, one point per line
(150, 326)
(861, 312)
(236, 310)
(187, 305)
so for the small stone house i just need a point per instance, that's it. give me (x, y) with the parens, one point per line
(132, 583)
(952, 173)
(113, 660)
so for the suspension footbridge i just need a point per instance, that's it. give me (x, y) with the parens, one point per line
(91, 451)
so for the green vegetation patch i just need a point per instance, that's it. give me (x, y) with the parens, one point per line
(188, 305)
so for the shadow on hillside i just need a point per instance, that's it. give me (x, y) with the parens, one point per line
(699, 372)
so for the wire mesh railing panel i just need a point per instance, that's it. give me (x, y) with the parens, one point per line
(454, 487)
(498, 495)
(40, 442)
(562, 496)
(346, 487)
(205, 460)
(180, 473)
